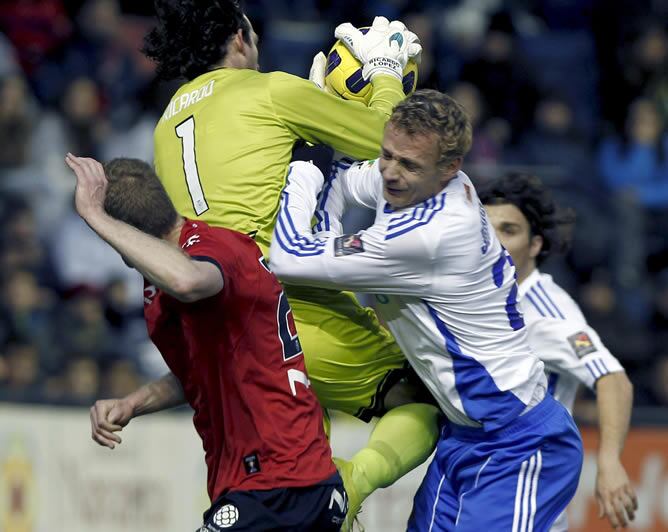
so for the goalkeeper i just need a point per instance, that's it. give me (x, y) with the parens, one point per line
(222, 149)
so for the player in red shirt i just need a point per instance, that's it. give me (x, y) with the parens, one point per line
(223, 325)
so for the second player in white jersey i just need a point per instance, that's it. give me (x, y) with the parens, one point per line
(531, 227)
(509, 456)
(572, 351)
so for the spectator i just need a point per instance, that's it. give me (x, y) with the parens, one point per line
(555, 143)
(499, 73)
(27, 144)
(635, 162)
(635, 169)
(124, 317)
(20, 245)
(121, 378)
(490, 135)
(82, 381)
(35, 27)
(80, 257)
(16, 122)
(85, 126)
(103, 49)
(645, 67)
(23, 378)
(617, 323)
(119, 309)
(26, 308)
(659, 318)
(81, 328)
(653, 389)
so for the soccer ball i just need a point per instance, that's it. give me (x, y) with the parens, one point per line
(343, 75)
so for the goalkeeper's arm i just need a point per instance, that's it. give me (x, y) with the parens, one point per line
(316, 116)
(350, 127)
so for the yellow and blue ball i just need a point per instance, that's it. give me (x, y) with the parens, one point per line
(343, 75)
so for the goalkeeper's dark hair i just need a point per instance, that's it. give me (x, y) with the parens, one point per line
(429, 111)
(528, 193)
(136, 196)
(191, 36)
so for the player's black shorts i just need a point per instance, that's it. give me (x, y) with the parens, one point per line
(318, 508)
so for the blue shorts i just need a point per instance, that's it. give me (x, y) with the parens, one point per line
(517, 479)
(318, 508)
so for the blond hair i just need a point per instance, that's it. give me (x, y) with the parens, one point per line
(428, 112)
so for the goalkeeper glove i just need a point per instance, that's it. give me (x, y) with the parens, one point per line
(317, 72)
(384, 49)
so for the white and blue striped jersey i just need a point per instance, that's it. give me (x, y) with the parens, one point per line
(444, 285)
(571, 350)
(559, 334)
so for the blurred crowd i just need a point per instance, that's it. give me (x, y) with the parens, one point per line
(575, 91)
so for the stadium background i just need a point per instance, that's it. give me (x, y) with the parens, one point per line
(575, 91)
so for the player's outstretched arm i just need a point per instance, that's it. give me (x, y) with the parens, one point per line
(349, 127)
(109, 416)
(162, 263)
(614, 396)
(616, 497)
(347, 184)
(316, 116)
(365, 263)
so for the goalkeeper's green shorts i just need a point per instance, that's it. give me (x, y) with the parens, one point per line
(351, 359)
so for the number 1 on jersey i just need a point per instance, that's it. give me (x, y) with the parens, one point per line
(186, 132)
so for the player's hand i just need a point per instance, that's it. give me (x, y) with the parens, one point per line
(616, 497)
(107, 417)
(91, 185)
(384, 49)
(317, 72)
(319, 155)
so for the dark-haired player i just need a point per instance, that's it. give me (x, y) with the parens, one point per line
(222, 148)
(223, 325)
(531, 228)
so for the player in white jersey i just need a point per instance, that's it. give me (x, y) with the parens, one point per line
(531, 227)
(511, 455)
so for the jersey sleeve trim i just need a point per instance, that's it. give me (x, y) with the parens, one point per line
(539, 299)
(363, 262)
(598, 368)
(211, 260)
(321, 214)
(534, 304)
(549, 300)
(289, 239)
(419, 216)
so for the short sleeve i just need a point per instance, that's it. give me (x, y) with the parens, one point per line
(572, 348)
(202, 245)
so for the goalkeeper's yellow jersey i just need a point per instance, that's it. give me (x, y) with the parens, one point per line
(224, 142)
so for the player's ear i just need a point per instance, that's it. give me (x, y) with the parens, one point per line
(239, 43)
(450, 169)
(535, 246)
(455, 166)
